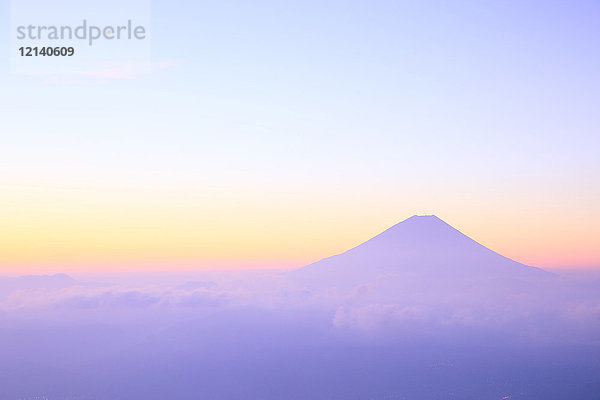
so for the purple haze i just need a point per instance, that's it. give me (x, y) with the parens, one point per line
(418, 312)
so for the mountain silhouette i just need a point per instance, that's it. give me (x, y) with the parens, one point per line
(420, 246)
(42, 282)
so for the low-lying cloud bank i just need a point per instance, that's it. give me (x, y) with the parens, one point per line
(269, 336)
(551, 310)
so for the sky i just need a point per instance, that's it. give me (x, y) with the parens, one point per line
(273, 134)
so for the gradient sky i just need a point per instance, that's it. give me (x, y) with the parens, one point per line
(276, 133)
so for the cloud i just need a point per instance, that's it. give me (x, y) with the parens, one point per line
(114, 297)
(376, 316)
(128, 71)
(122, 71)
(385, 305)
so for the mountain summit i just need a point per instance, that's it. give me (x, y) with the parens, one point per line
(422, 246)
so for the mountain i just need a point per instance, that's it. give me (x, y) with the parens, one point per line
(421, 247)
(42, 282)
(56, 281)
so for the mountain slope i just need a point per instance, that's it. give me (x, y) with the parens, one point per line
(422, 246)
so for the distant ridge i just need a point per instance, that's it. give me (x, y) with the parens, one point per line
(422, 245)
(42, 282)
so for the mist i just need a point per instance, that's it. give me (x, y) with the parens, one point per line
(336, 329)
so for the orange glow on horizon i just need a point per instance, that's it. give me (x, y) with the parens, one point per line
(54, 231)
